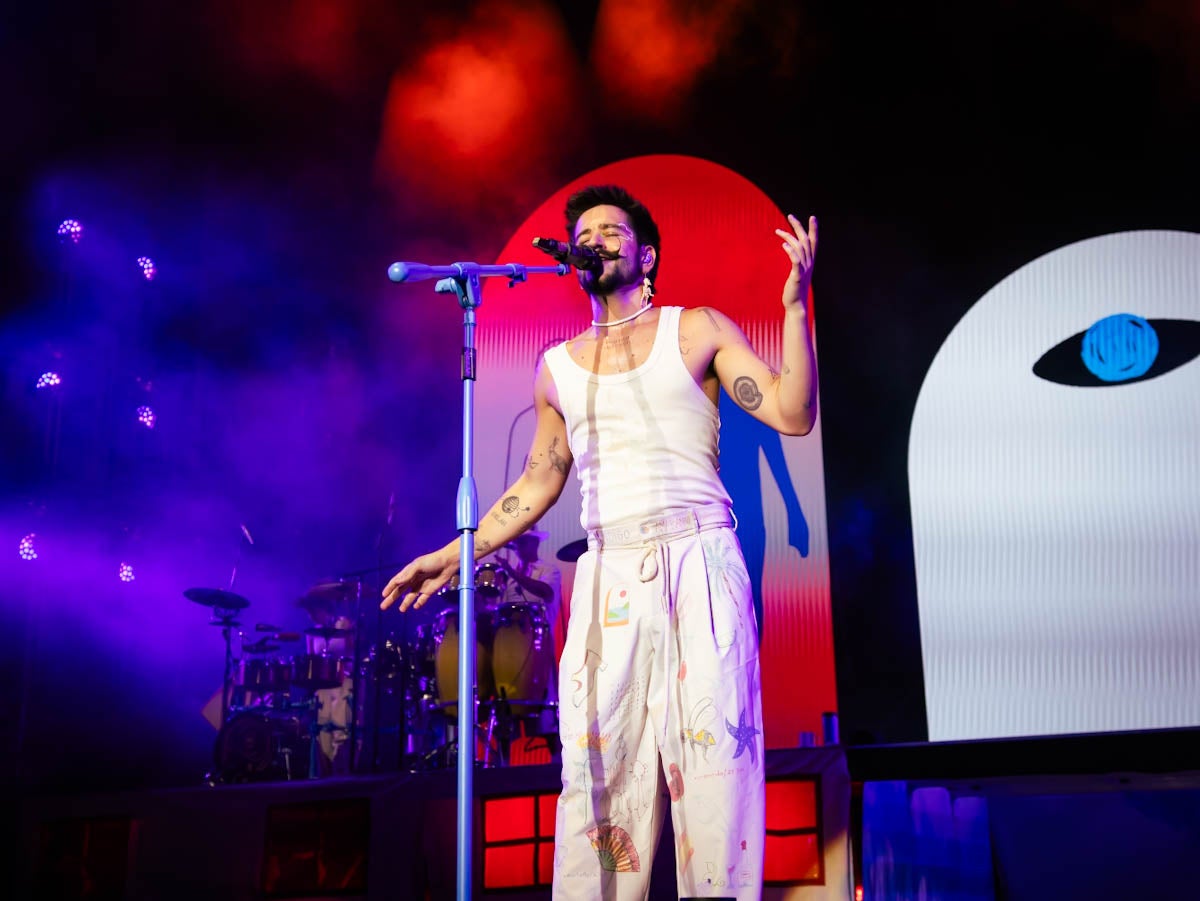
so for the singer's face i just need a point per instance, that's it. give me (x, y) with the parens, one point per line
(608, 231)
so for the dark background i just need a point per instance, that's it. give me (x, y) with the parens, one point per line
(272, 161)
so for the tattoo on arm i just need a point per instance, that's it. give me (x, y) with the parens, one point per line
(557, 461)
(484, 545)
(746, 393)
(500, 519)
(511, 505)
(711, 318)
(787, 369)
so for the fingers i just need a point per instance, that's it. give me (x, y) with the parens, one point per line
(392, 590)
(414, 585)
(800, 244)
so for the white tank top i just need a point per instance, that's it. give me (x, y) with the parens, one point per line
(645, 441)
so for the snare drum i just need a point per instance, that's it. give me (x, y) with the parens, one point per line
(445, 633)
(523, 656)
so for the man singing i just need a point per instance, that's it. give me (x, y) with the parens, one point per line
(659, 677)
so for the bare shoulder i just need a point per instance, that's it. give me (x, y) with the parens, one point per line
(544, 388)
(711, 324)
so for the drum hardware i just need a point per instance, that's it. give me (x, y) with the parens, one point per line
(317, 671)
(217, 598)
(262, 646)
(258, 745)
(402, 695)
(225, 606)
(491, 581)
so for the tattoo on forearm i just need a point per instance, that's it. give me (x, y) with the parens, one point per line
(484, 545)
(500, 519)
(511, 505)
(557, 461)
(746, 393)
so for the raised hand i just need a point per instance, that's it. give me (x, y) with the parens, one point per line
(801, 248)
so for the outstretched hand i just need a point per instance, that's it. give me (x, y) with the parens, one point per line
(419, 580)
(801, 247)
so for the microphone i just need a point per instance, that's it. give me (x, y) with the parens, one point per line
(582, 258)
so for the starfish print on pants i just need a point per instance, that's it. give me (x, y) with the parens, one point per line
(743, 734)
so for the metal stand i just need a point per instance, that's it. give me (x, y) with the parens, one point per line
(225, 620)
(462, 279)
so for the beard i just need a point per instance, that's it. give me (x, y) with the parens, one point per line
(619, 275)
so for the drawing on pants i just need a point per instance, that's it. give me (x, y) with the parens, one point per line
(593, 663)
(696, 734)
(743, 733)
(615, 849)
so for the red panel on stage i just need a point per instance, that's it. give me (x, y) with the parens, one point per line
(547, 811)
(518, 840)
(316, 848)
(792, 858)
(508, 818)
(792, 804)
(545, 863)
(83, 858)
(531, 751)
(509, 866)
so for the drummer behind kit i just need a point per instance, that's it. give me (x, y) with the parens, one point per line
(327, 710)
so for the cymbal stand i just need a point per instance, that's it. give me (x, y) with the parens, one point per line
(314, 736)
(225, 619)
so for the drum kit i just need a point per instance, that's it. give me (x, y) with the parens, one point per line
(362, 690)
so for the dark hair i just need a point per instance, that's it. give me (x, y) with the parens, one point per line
(644, 227)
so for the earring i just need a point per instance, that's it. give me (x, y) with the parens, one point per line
(647, 290)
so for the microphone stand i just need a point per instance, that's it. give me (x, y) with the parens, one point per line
(462, 279)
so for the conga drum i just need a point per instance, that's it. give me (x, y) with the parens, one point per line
(523, 656)
(446, 658)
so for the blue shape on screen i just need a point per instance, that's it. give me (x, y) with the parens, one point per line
(1120, 347)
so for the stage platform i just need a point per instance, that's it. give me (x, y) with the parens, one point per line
(387, 836)
(1087, 816)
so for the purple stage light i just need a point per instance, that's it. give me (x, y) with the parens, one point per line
(147, 266)
(26, 549)
(145, 415)
(125, 573)
(70, 230)
(49, 380)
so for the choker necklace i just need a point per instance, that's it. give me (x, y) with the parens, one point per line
(628, 318)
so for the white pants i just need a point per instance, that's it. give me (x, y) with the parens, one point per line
(659, 689)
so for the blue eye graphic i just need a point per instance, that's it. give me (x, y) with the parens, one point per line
(1119, 350)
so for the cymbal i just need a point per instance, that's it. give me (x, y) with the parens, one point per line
(327, 632)
(571, 552)
(217, 597)
(262, 646)
(328, 594)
